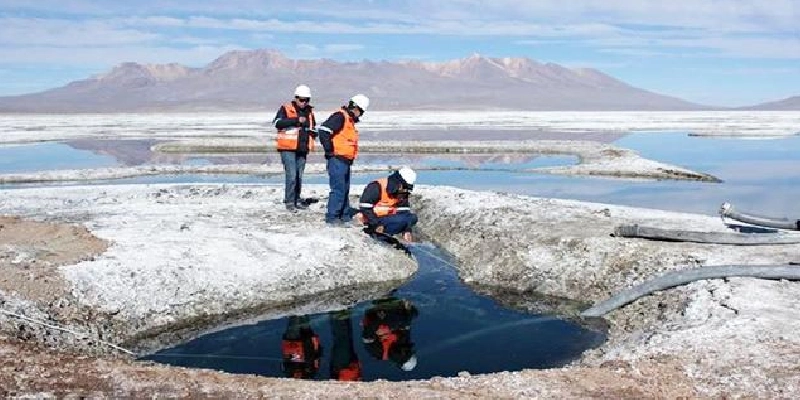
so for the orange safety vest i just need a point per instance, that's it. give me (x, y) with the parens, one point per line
(386, 205)
(350, 373)
(345, 143)
(387, 341)
(295, 351)
(287, 138)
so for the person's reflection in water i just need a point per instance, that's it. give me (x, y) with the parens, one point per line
(387, 332)
(300, 348)
(345, 365)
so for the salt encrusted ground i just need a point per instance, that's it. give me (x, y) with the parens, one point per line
(22, 128)
(194, 253)
(146, 265)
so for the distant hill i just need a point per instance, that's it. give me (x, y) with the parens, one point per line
(787, 104)
(263, 79)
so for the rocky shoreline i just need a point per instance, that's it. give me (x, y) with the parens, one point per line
(176, 246)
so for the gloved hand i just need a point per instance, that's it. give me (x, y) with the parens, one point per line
(373, 228)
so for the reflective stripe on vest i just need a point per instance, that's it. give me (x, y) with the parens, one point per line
(386, 205)
(345, 143)
(287, 138)
(294, 350)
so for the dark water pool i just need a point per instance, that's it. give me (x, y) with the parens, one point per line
(431, 326)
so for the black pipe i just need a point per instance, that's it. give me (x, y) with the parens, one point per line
(682, 277)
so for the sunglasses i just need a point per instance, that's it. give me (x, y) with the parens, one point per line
(303, 99)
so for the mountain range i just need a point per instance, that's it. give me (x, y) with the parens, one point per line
(247, 80)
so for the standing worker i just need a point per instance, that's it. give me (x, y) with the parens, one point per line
(300, 349)
(384, 204)
(339, 138)
(295, 124)
(345, 365)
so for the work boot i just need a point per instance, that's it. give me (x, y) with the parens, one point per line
(301, 206)
(291, 208)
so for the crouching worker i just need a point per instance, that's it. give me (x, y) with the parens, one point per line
(384, 206)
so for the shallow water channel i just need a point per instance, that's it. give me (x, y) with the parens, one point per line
(758, 175)
(433, 325)
(450, 327)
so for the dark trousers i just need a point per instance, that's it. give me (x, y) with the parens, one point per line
(294, 164)
(343, 352)
(397, 223)
(339, 198)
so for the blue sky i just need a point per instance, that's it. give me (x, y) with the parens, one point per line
(717, 52)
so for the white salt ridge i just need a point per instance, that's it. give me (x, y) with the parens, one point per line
(16, 128)
(191, 250)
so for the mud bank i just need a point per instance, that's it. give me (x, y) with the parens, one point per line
(185, 253)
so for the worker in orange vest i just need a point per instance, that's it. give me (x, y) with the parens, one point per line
(345, 365)
(295, 139)
(300, 349)
(384, 206)
(339, 138)
(387, 332)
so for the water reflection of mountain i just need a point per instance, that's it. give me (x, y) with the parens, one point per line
(469, 161)
(488, 134)
(137, 152)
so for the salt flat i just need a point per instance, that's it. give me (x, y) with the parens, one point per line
(183, 255)
(21, 128)
(195, 255)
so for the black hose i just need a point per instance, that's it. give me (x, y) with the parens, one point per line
(736, 238)
(726, 210)
(682, 277)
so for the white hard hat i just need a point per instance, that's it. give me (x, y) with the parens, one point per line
(408, 175)
(302, 91)
(410, 364)
(361, 101)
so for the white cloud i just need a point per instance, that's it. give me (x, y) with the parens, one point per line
(68, 33)
(727, 14)
(678, 28)
(195, 56)
(305, 50)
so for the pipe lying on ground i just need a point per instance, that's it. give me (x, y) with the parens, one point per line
(726, 210)
(682, 277)
(743, 239)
